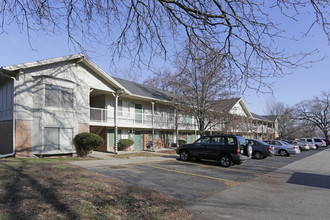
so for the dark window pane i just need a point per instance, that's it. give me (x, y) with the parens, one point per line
(67, 98)
(66, 139)
(51, 139)
(52, 96)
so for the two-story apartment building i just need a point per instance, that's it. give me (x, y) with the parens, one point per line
(44, 104)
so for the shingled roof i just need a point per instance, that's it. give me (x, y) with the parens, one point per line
(270, 117)
(145, 90)
(259, 117)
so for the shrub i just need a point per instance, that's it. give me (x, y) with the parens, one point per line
(86, 142)
(182, 142)
(124, 143)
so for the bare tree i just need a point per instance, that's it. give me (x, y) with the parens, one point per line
(316, 112)
(245, 32)
(286, 120)
(200, 85)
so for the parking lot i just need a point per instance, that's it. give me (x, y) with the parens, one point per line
(195, 180)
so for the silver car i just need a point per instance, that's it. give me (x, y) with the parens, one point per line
(302, 145)
(310, 145)
(283, 148)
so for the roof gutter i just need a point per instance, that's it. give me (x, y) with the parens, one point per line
(14, 124)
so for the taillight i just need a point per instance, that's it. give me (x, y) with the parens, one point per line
(295, 147)
(270, 148)
(238, 150)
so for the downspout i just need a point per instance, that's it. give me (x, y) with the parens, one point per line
(14, 124)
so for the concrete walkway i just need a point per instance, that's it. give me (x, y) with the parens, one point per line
(106, 159)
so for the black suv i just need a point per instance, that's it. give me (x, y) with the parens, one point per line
(228, 149)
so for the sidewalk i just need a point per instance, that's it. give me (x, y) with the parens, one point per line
(300, 190)
(105, 159)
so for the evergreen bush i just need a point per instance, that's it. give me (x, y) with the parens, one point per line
(182, 142)
(124, 143)
(86, 142)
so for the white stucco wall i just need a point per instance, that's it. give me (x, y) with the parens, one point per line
(30, 98)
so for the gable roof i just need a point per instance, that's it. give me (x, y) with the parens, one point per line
(79, 58)
(228, 104)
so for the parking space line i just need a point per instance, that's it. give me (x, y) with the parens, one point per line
(236, 170)
(227, 182)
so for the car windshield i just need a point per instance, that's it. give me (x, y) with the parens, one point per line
(286, 143)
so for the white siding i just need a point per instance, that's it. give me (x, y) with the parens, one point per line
(238, 110)
(6, 100)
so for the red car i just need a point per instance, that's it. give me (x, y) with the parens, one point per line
(327, 141)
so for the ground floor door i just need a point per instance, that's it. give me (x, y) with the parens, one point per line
(189, 139)
(137, 141)
(111, 138)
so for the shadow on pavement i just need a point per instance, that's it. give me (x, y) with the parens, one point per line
(308, 179)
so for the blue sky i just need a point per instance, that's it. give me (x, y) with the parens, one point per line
(302, 84)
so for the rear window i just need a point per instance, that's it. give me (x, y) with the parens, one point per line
(241, 141)
(309, 140)
(317, 140)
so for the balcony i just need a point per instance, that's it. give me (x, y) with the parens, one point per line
(162, 120)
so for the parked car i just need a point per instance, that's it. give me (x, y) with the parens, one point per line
(310, 145)
(302, 145)
(283, 148)
(261, 149)
(316, 141)
(227, 149)
(327, 141)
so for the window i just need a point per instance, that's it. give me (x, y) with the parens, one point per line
(204, 140)
(57, 96)
(120, 108)
(230, 141)
(138, 113)
(218, 141)
(58, 139)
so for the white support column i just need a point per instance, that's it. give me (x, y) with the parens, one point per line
(152, 123)
(115, 122)
(176, 127)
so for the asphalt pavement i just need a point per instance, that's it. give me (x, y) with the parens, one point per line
(299, 190)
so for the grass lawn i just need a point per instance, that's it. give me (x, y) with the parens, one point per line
(47, 188)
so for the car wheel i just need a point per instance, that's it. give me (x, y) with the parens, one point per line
(257, 155)
(283, 153)
(184, 155)
(248, 150)
(225, 161)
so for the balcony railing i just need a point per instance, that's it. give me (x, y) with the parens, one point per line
(163, 120)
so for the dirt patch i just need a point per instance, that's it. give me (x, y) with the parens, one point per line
(42, 190)
(142, 154)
